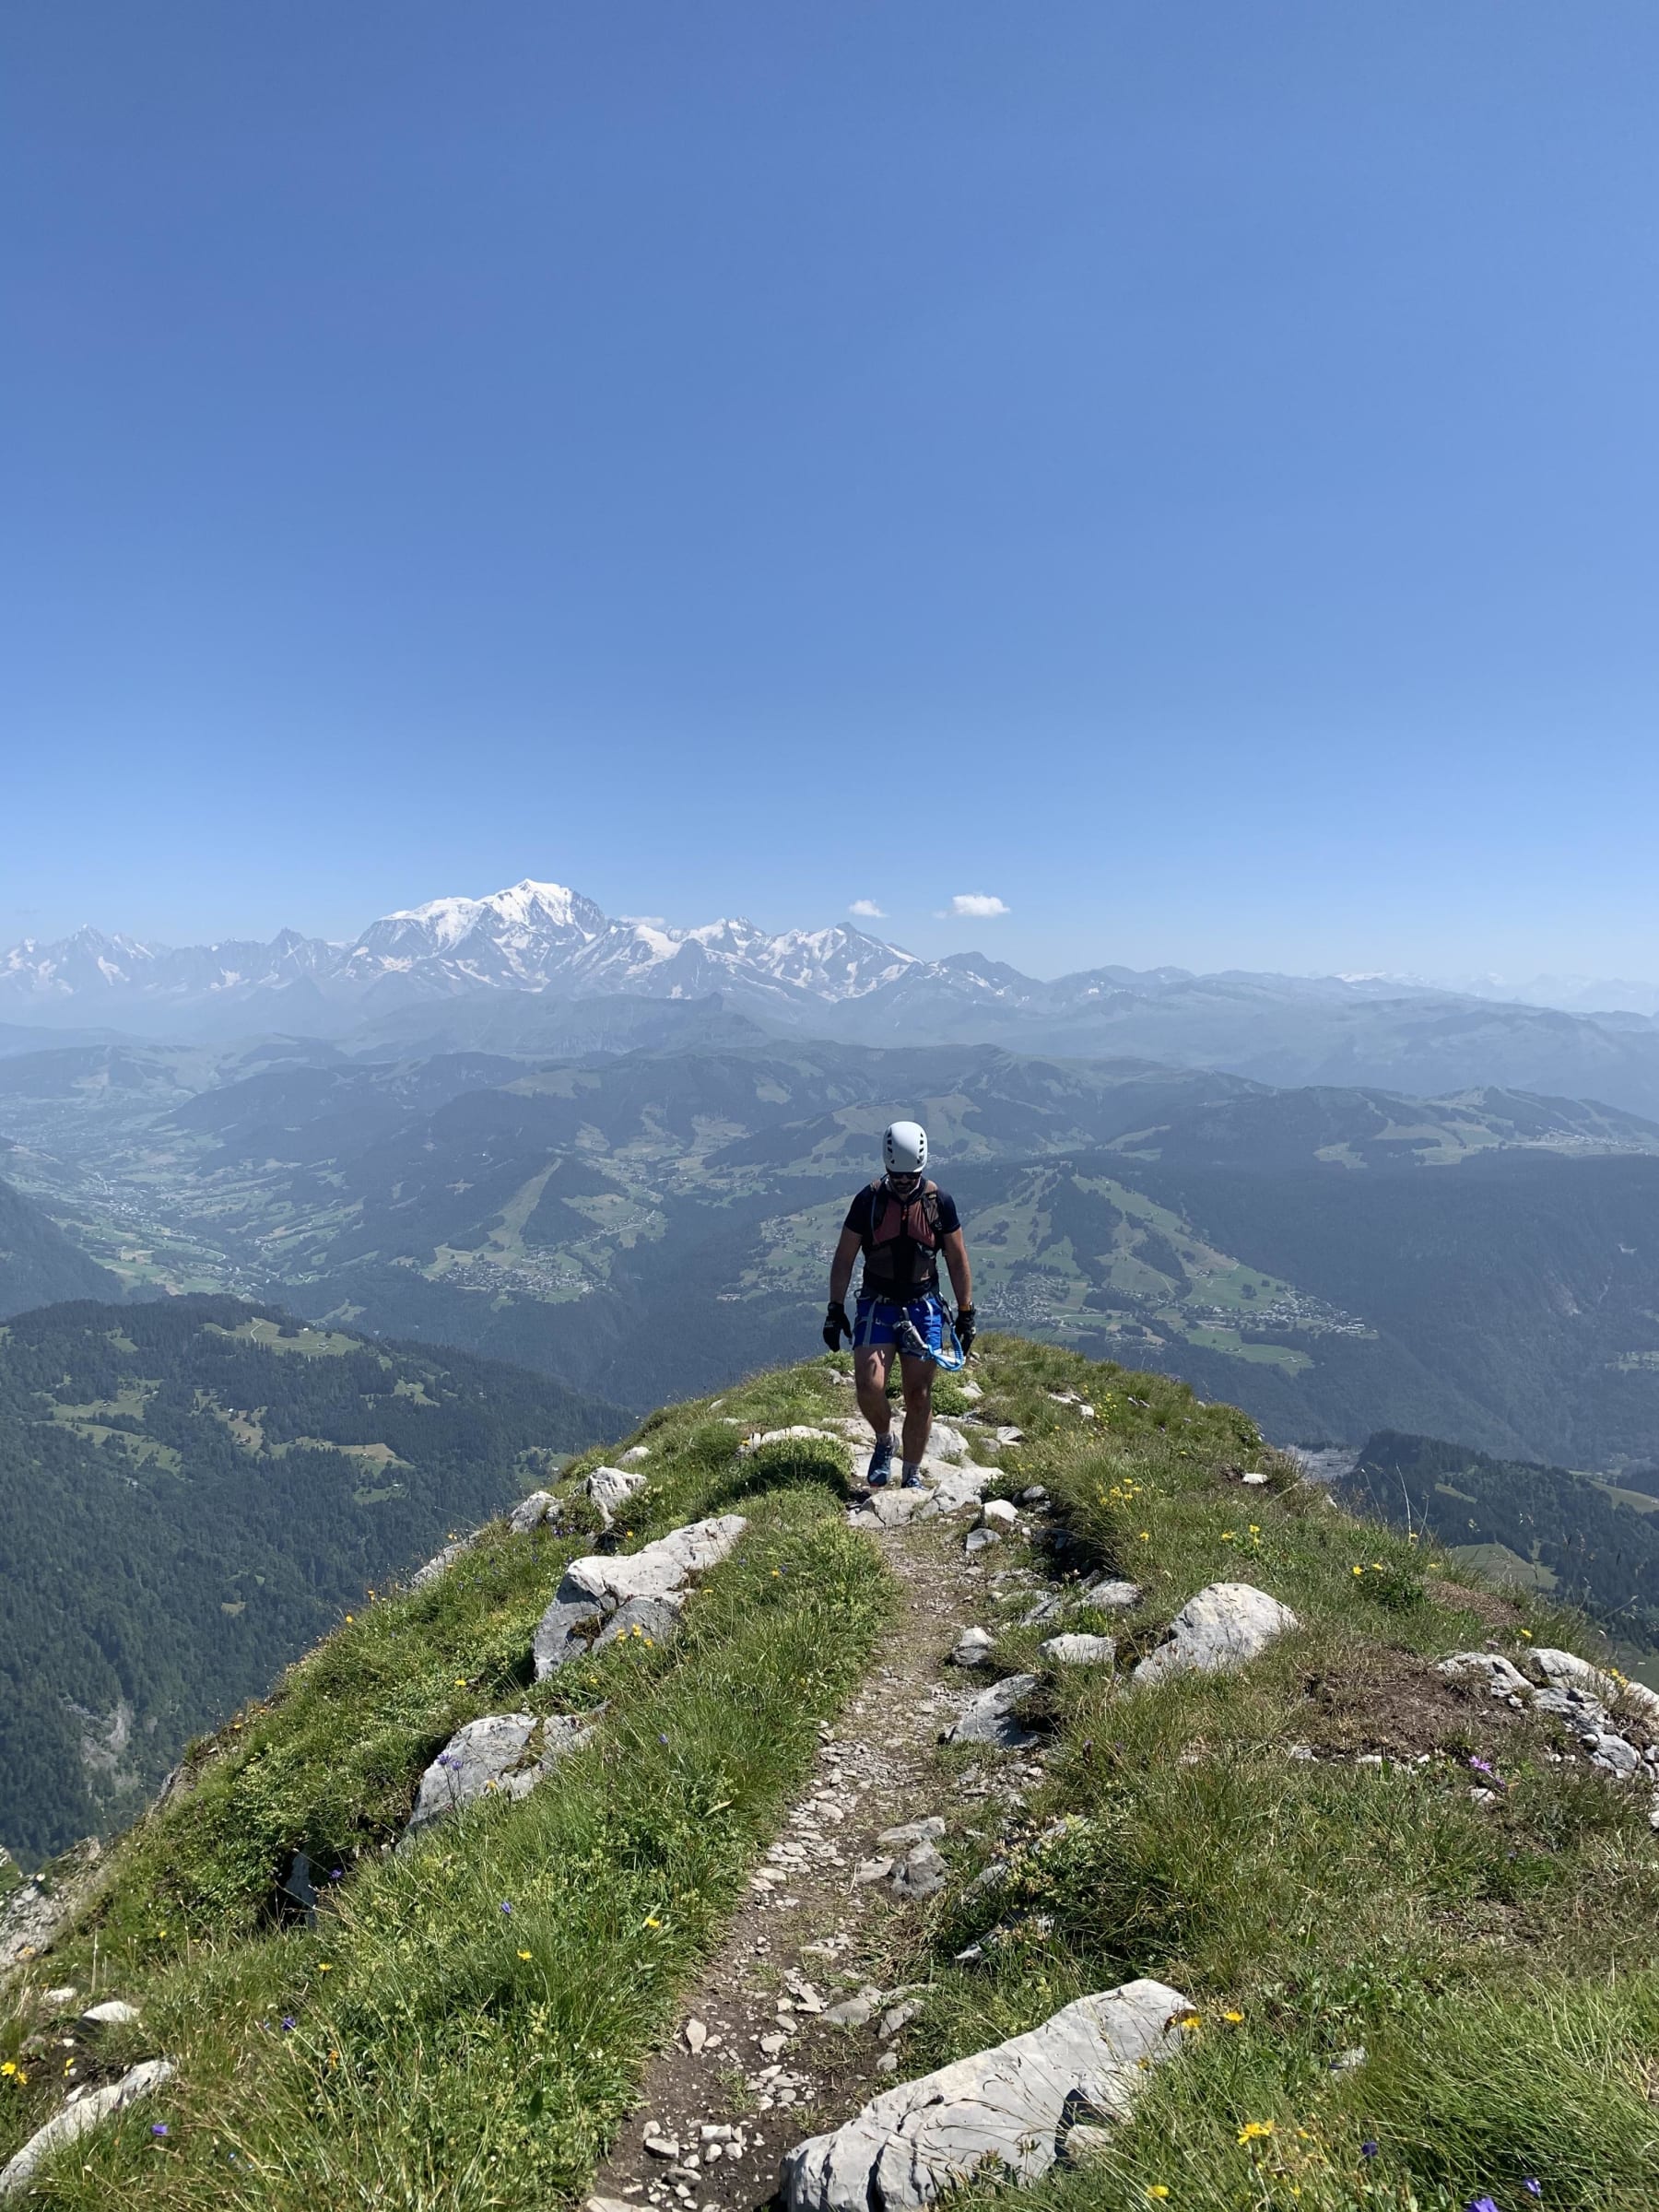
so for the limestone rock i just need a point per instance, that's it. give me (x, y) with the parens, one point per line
(1224, 1625)
(610, 1488)
(1502, 1678)
(81, 2118)
(981, 1540)
(442, 1561)
(1079, 1651)
(1566, 1670)
(890, 1509)
(990, 1718)
(594, 1587)
(35, 1915)
(504, 1754)
(115, 2012)
(920, 1873)
(1011, 2106)
(1114, 1596)
(912, 1831)
(530, 1512)
(634, 1455)
(997, 1513)
(973, 1648)
(649, 1619)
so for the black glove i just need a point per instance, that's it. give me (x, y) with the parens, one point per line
(965, 1326)
(836, 1326)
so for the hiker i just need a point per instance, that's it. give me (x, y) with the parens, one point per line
(901, 1224)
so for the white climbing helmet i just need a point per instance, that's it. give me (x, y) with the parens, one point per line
(904, 1148)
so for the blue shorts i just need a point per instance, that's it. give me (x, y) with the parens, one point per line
(876, 1321)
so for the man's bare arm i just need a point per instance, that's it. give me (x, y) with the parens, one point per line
(955, 1248)
(840, 1266)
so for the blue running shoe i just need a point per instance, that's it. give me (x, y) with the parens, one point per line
(881, 1463)
(912, 1479)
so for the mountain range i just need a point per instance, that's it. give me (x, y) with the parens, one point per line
(541, 969)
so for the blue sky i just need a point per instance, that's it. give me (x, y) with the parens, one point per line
(1187, 471)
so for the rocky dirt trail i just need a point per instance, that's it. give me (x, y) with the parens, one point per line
(796, 2022)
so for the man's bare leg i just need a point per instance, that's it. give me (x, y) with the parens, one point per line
(918, 1407)
(870, 1365)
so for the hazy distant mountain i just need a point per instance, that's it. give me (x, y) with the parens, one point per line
(533, 938)
(525, 969)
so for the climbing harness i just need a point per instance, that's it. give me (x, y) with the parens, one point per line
(914, 1346)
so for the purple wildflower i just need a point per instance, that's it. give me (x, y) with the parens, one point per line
(661, 1737)
(1368, 2151)
(1481, 2203)
(334, 1874)
(287, 2023)
(506, 1908)
(159, 2128)
(1480, 1766)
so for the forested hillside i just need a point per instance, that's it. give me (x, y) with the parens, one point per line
(1521, 1523)
(39, 1265)
(191, 1491)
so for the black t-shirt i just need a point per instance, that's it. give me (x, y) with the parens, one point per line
(860, 1219)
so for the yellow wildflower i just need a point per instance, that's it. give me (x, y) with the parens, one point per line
(527, 1954)
(323, 1966)
(9, 2067)
(1232, 2018)
(1358, 1570)
(1256, 2131)
(1159, 2189)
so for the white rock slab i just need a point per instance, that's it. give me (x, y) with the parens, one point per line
(1502, 1678)
(989, 1718)
(1079, 1650)
(504, 1754)
(997, 1513)
(610, 1488)
(115, 2012)
(1011, 2107)
(530, 1512)
(1566, 1670)
(973, 1648)
(634, 1455)
(593, 1587)
(34, 1916)
(1224, 1627)
(81, 2118)
(442, 1561)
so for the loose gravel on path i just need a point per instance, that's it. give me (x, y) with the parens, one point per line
(794, 2024)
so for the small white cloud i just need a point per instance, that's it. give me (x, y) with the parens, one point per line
(867, 909)
(974, 906)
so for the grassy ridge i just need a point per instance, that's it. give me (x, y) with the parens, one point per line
(1495, 1961)
(425, 2047)
(467, 2022)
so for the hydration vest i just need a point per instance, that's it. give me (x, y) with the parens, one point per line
(901, 1244)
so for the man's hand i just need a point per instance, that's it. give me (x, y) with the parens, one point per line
(965, 1326)
(836, 1326)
